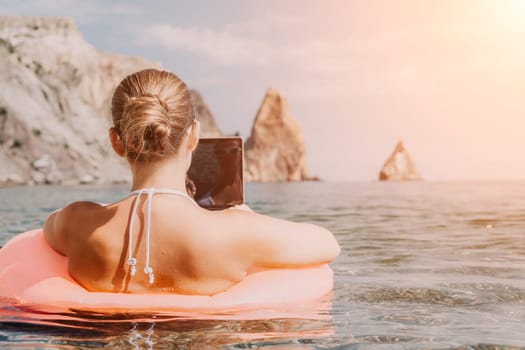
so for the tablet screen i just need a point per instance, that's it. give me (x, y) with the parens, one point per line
(215, 175)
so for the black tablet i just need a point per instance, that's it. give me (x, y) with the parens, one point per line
(215, 178)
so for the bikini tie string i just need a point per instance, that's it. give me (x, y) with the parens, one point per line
(148, 270)
(132, 262)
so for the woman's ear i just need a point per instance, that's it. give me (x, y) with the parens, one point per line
(114, 137)
(194, 135)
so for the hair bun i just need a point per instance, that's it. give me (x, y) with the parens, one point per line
(160, 130)
(146, 128)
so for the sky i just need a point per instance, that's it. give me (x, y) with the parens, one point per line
(445, 76)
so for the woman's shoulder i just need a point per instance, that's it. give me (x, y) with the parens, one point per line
(83, 205)
(80, 209)
(72, 214)
(60, 224)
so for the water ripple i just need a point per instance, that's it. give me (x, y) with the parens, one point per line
(423, 265)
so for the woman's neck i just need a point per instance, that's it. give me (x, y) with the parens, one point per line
(166, 173)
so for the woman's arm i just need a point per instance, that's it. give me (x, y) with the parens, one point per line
(58, 223)
(271, 242)
(53, 228)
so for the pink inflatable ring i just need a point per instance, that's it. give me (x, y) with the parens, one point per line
(31, 273)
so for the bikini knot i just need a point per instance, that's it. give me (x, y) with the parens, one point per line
(132, 262)
(149, 271)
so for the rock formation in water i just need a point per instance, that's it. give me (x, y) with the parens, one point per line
(55, 92)
(209, 127)
(275, 149)
(399, 166)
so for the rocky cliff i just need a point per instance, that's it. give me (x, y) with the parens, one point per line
(209, 127)
(55, 92)
(275, 149)
(54, 98)
(399, 166)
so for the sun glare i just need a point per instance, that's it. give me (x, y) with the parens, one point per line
(514, 11)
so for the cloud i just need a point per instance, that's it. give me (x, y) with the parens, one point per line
(249, 42)
(265, 40)
(311, 65)
(82, 11)
(220, 47)
(266, 23)
(312, 56)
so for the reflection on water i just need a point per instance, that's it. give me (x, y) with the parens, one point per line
(423, 265)
(32, 329)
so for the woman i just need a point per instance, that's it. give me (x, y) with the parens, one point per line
(157, 240)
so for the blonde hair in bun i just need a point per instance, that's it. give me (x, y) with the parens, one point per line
(151, 111)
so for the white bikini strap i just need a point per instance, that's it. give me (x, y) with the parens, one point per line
(163, 191)
(147, 269)
(132, 262)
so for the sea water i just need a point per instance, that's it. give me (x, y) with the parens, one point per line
(423, 265)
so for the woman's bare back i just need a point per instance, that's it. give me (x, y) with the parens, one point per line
(187, 250)
(192, 250)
